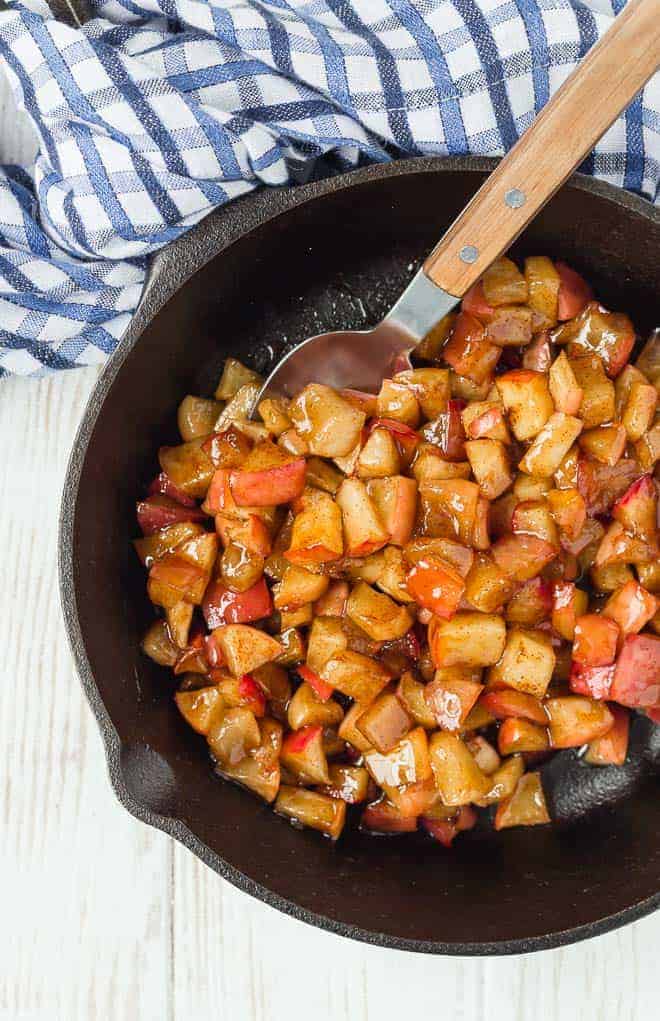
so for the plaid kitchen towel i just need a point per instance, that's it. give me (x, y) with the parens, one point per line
(156, 111)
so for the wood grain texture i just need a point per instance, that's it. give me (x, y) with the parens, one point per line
(565, 131)
(104, 919)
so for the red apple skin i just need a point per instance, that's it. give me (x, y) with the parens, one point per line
(222, 606)
(268, 487)
(636, 680)
(611, 749)
(254, 697)
(636, 509)
(503, 704)
(595, 640)
(592, 681)
(574, 292)
(321, 688)
(446, 830)
(164, 485)
(382, 817)
(159, 511)
(405, 438)
(296, 742)
(436, 586)
(475, 304)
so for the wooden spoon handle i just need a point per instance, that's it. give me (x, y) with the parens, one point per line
(564, 132)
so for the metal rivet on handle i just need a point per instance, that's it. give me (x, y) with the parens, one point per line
(515, 198)
(469, 254)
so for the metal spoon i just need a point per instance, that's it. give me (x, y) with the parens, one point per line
(565, 131)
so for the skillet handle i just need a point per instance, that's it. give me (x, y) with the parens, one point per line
(564, 132)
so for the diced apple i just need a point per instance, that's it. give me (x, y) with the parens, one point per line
(317, 533)
(158, 511)
(153, 547)
(229, 448)
(232, 736)
(504, 284)
(429, 386)
(446, 433)
(503, 781)
(330, 424)
(379, 456)
(631, 607)
(485, 419)
(448, 509)
(451, 700)
(506, 703)
(200, 708)
(185, 573)
(526, 397)
(490, 466)
(487, 587)
(574, 293)
(526, 664)
(595, 640)
(610, 335)
(407, 762)
(306, 709)
(430, 348)
(510, 326)
(569, 603)
(639, 410)
(363, 528)
(310, 808)
(326, 639)
(592, 681)
(347, 783)
(575, 720)
(569, 511)
(395, 502)
(637, 509)
(157, 644)
(617, 545)
(188, 467)
(605, 443)
(474, 302)
(533, 518)
(244, 648)
(457, 775)
(298, 587)
(259, 771)
(268, 487)
(377, 614)
(384, 723)
(436, 585)
(517, 735)
(355, 675)
(566, 393)
(525, 807)
(538, 355)
(543, 284)
(597, 405)
(522, 557)
(223, 606)
(196, 417)
(611, 749)
(531, 604)
(468, 639)
(383, 817)
(647, 449)
(410, 692)
(468, 352)
(636, 680)
(304, 756)
(610, 577)
(397, 401)
(551, 445)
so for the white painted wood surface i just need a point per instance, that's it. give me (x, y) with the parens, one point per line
(104, 919)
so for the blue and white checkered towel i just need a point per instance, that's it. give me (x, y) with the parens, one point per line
(157, 111)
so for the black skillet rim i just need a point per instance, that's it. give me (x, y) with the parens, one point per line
(170, 271)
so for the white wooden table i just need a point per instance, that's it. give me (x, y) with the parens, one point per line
(104, 918)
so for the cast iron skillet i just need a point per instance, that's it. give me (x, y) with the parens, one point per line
(270, 270)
